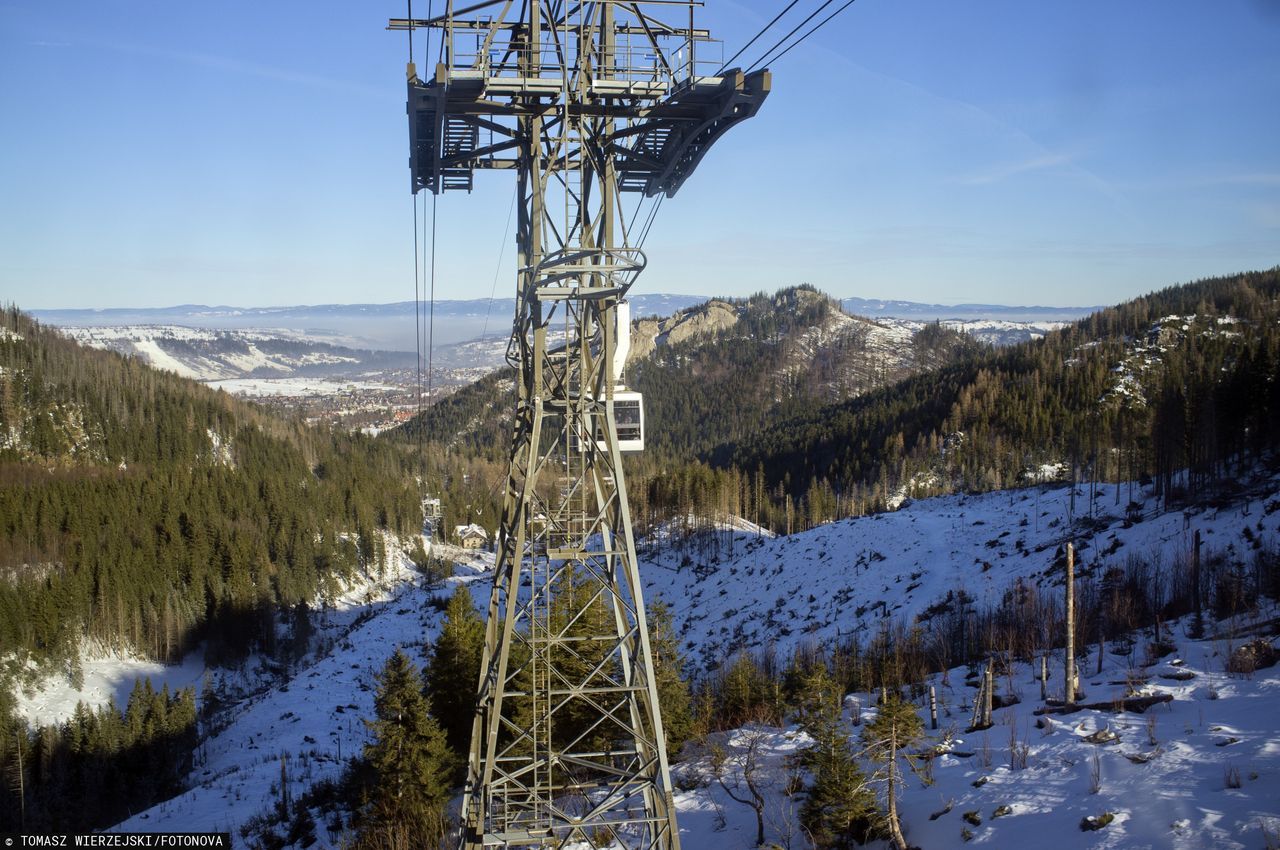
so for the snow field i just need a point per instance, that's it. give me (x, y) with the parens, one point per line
(1164, 779)
(818, 586)
(108, 675)
(315, 720)
(742, 591)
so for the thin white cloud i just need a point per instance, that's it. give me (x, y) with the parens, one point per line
(1043, 159)
(1012, 169)
(253, 69)
(1183, 181)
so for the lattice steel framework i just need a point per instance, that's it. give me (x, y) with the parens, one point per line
(586, 102)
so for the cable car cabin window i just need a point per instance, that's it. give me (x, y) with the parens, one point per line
(628, 416)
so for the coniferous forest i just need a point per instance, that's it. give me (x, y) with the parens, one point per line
(141, 511)
(1179, 385)
(701, 393)
(1176, 385)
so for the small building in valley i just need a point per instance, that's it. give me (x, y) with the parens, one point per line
(471, 536)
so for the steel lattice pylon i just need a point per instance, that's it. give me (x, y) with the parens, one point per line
(586, 102)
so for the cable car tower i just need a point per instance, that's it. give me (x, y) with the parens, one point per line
(586, 102)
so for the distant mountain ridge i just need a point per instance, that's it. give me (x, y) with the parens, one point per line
(1182, 385)
(390, 326)
(177, 507)
(212, 355)
(362, 326)
(881, 308)
(717, 371)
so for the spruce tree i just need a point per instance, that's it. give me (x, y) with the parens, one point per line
(673, 690)
(839, 801)
(453, 671)
(409, 756)
(895, 728)
(744, 691)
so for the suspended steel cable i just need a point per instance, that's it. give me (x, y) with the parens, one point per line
(417, 288)
(629, 226)
(794, 30)
(431, 327)
(816, 27)
(653, 213)
(767, 27)
(497, 271)
(417, 327)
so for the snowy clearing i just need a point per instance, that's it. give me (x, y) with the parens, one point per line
(1164, 784)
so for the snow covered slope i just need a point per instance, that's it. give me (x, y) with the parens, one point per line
(1198, 772)
(835, 580)
(211, 355)
(314, 720)
(742, 590)
(991, 331)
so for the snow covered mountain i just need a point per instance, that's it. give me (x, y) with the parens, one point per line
(372, 326)
(214, 355)
(998, 332)
(391, 326)
(878, 308)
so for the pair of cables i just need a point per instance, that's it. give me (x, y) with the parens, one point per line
(424, 314)
(788, 42)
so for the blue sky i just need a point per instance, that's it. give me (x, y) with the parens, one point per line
(1002, 151)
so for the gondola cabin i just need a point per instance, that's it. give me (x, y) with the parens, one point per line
(628, 413)
(628, 416)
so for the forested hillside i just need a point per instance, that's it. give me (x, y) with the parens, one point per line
(792, 413)
(787, 353)
(1177, 385)
(144, 511)
(710, 375)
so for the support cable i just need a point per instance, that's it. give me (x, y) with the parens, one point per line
(628, 226)
(817, 27)
(767, 27)
(783, 40)
(417, 327)
(431, 326)
(417, 297)
(653, 213)
(506, 231)
(428, 315)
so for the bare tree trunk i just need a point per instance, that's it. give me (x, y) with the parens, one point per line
(976, 721)
(757, 802)
(1195, 587)
(1044, 678)
(1069, 692)
(754, 798)
(988, 686)
(933, 707)
(895, 829)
